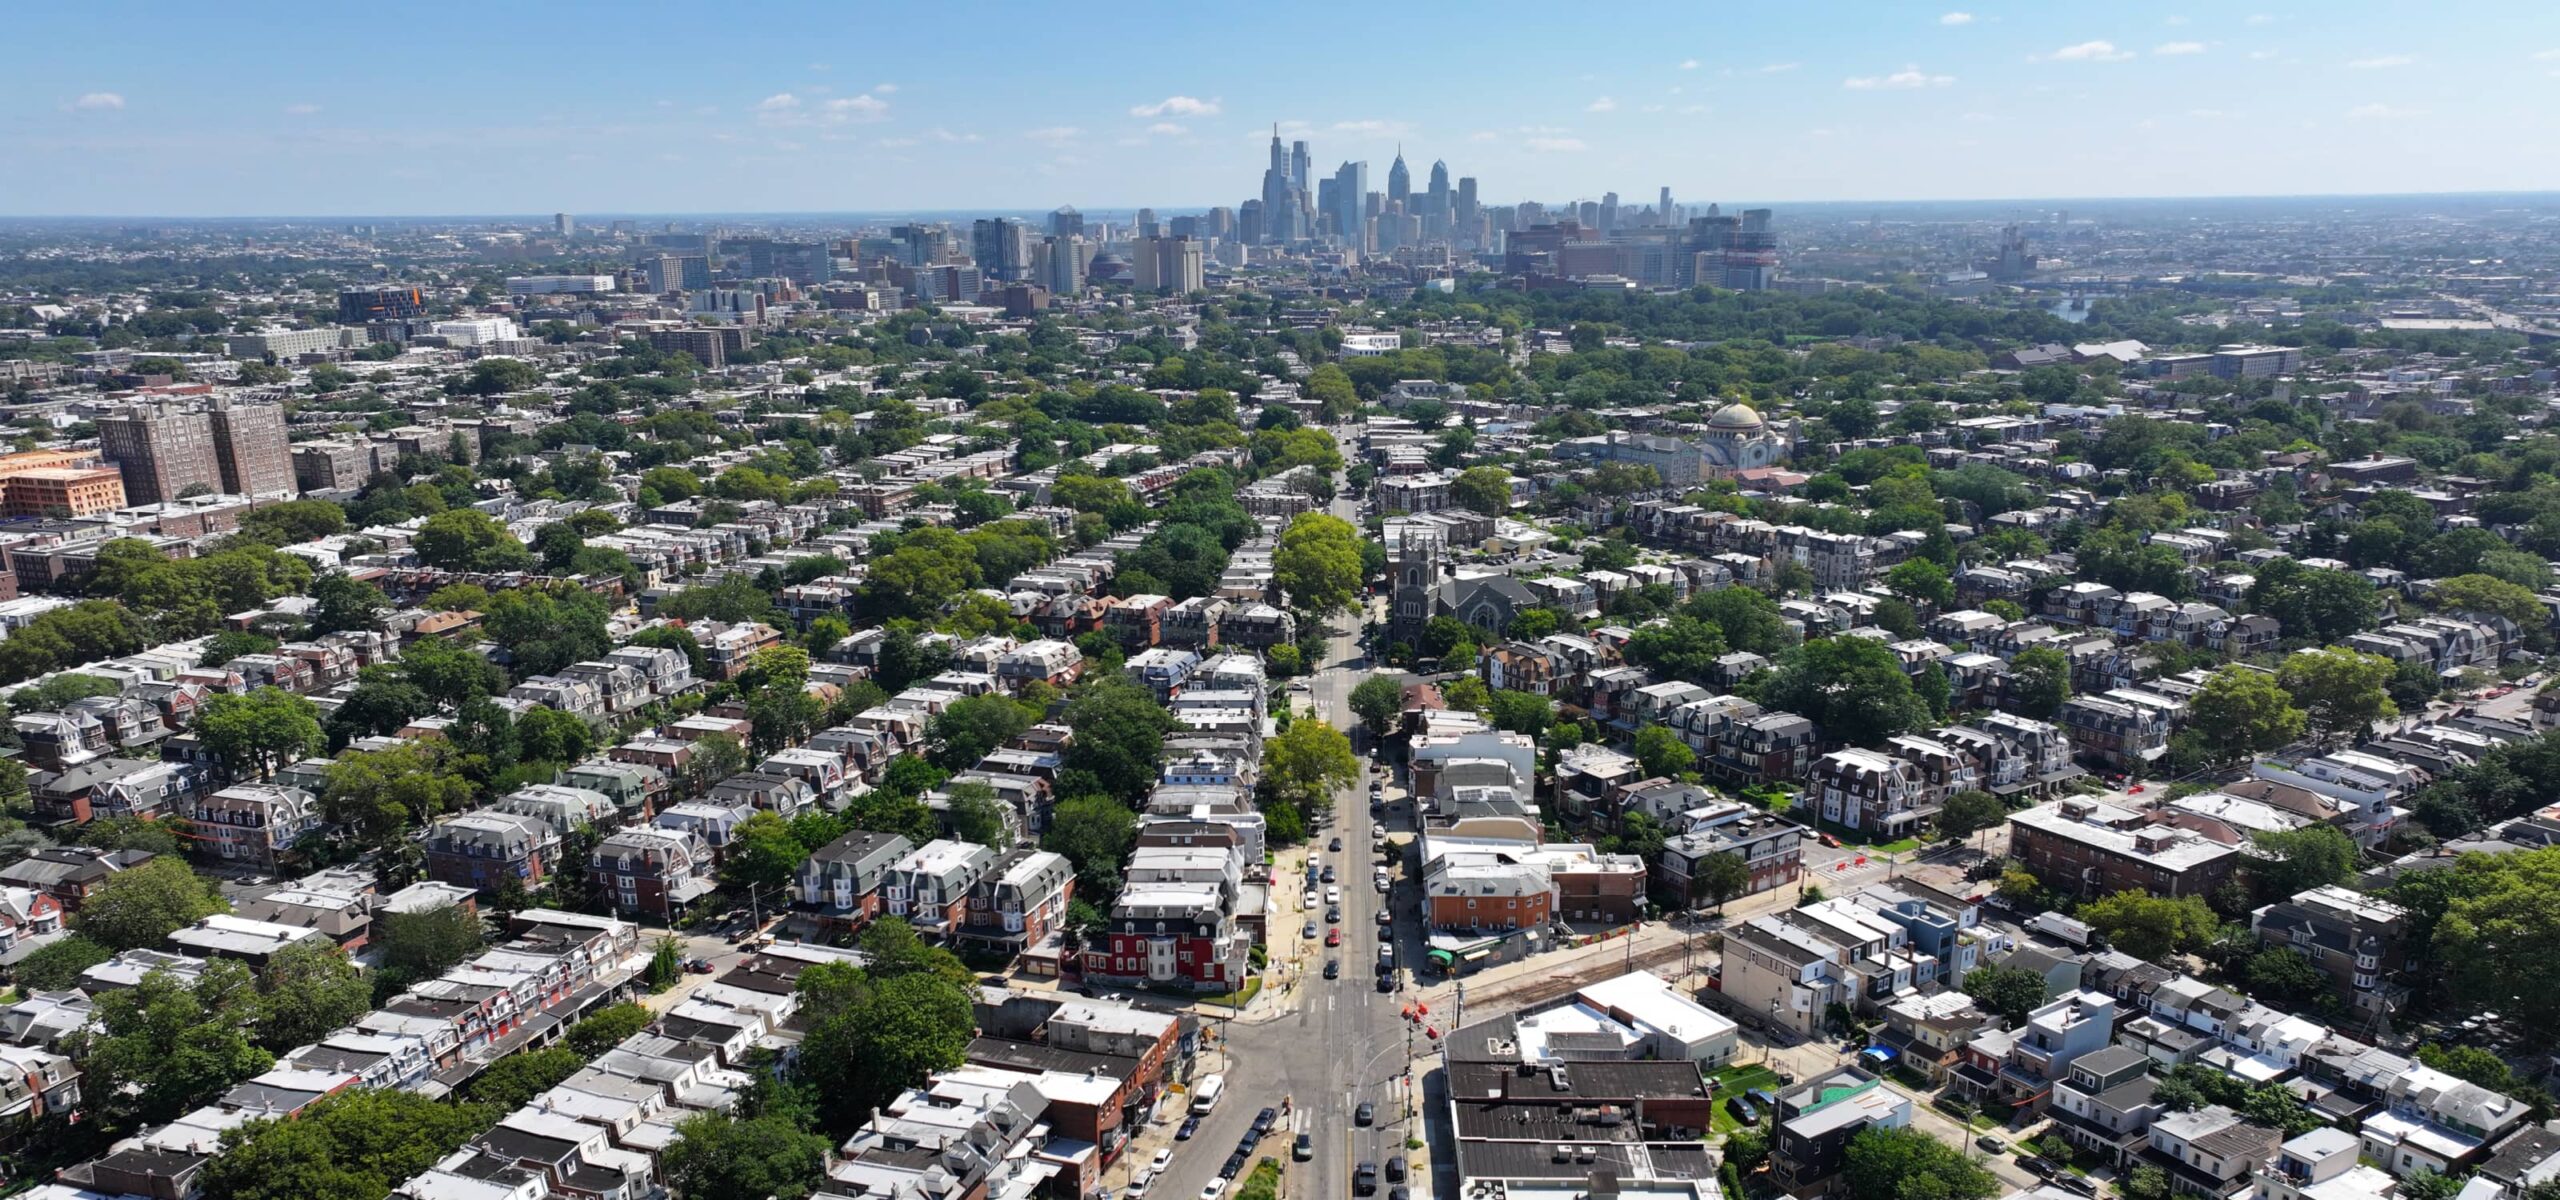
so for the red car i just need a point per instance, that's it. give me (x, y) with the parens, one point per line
(1829, 840)
(1333, 936)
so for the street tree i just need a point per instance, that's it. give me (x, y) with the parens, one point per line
(2039, 681)
(1969, 812)
(2009, 992)
(2242, 711)
(1318, 563)
(1662, 754)
(2151, 927)
(1306, 764)
(2339, 690)
(1852, 687)
(1378, 701)
(1483, 489)
(254, 735)
(1719, 877)
(139, 907)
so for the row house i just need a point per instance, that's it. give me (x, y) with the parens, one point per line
(2020, 1066)
(1256, 625)
(117, 787)
(668, 671)
(2120, 734)
(2367, 787)
(2359, 942)
(1020, 902)
(1927, 1031)
(1867, 791)
(576, 697)
(70, 874)
(1055, 663)
(561, 807)
(1193, 624)
(1137, 621)
(58, 741)
(2438, 643)
(2210, 1152)
(782, 794)
(1772, 849)
(652, 870)
(726, 648)
(252, 823)
(1171, 934)
(619, 687)
(27, 916)
(841, 881)
(930, 886)
(486, 850)
(2105, 1103)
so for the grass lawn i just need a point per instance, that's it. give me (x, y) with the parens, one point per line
(1237, 998)
(1733, 1081)
(1860, 839)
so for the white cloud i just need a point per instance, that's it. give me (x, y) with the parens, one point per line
(1177, 106)
(2091, 51)
(822, 67)
(855, 108)
(98, 102)
(1166, 129)
(1693, 109)
(300, 110)
(1484, 135)
(2261, 55)
(1779, 68)
(778, 102)
(1603, 104)
(1555, 145)
(1907, 77)
(1688, 64)
(898, 143)
(1370, 128)
(1956, 18)
(2174, 19)
(2260, 19)
(886, 88)
(2207, 114)
(1053, 133)
(2382, 112)
(2380, 62)
(2173, 48)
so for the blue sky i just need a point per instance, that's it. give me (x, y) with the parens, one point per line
(466, 107)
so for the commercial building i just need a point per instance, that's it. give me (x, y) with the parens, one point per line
(558, 285)
(2089, 849)
(63, 491)
(285, 345)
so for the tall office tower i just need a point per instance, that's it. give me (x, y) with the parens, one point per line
(1147, 226)
(1181, 265)
(1249, 223)
(1144, 273)
(249, 448)
(1435, 207)
(1065, 221)
(564, 225)
(1279, 197)
(1350, 191)
(803, 263)
(1062, 261)
(1666, 205)
(1468, 209)
(986, 245)
(381, 304)
(1300, 169)
(1220, 222)
(1608, 215)
(1400, 180)
(163, 452)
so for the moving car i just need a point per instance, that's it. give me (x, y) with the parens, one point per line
(1333, 895)
(1305, 1148)
(1335, 845)
(1328, 873)
(1364, 1180)
(1364, 1114)
(1333, 968)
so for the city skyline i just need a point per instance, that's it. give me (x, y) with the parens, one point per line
(801, 113)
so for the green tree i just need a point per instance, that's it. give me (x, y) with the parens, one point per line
(140, 906)
(2500, 929)
(1903, 1163)
(1096, 834)
(2282, 976)
(1307, 763)
(607, 1028)
(1519, 712)
(2242, 711)
(512, 1082)
(411, 946)
(966, 730)
(374, 797)
(1682, 648)
(1719, 877)
(2339, 690)
(1119, 736)
(356, 1145)
(345, 602)
(1921, 581)
(466, 539)
(2491, 595)
(304, 991)
(1318, 563)
(2318, 603)
(2151, 927)
(1484, 489)
(57, 965)
(977, 816)
(1662, 754)
(718, 1157)
(2009, 992)
(1378, 701)
(1852, 687)
(2292, 861)
(2039, 682)
(163, 1047)
(253, 735)
(1968, 812)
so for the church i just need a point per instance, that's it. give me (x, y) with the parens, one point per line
(1738, 438)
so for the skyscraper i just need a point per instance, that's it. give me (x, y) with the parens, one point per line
(1400, 181)
(1469, 213)
(163, 451)
(1435, 205)
(1066, 221)
(564, 225)
(1279, 196)
(250, 448)
(1350, 188)
(1062, 264)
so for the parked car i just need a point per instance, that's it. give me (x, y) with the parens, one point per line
(1264, 1120)
(1386, 916)
(1138, 1186)
(1395, 1169)
(1742, 1110)
(1216, 1189)
(1311, 929)
(1364, 1114)
(1364, 1180)
(1234, 1168)
(1990, 1144)
(1333, 914)
(1190, 1125)
(1163, 1159)
(1333, 968)
(1333, 936)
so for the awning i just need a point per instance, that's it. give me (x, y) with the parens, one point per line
(1880, 1053)
(1443, 957)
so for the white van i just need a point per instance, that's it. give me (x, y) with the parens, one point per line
(1204, 1096)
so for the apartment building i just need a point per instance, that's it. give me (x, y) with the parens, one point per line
(930, 887)
(2359, 941)
(1864, 790)
(2090, 849)
(841, 881)
(483, 851)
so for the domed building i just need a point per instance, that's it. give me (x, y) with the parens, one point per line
(1738, 438)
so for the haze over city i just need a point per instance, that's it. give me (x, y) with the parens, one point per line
(263, 109)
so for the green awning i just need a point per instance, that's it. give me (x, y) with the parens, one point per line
(1443, 957)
